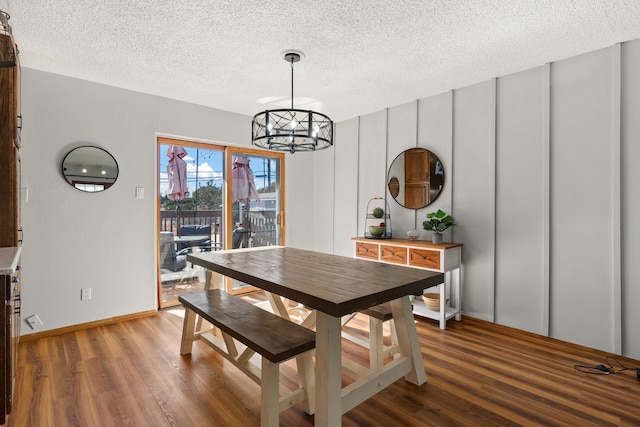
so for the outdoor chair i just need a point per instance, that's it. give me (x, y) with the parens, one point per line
(237, 237)
(169, 259)
(196, 230)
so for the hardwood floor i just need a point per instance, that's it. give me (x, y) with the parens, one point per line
(131, 374)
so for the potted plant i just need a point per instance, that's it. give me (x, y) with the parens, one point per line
(378, 213)
(437, 222)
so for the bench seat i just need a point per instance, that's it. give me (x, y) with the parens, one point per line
(378, 351)
(273, 337)
(381, 312)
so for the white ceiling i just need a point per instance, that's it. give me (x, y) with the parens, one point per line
(360, 56)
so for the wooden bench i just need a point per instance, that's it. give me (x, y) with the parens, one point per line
(378, 314)
(273, 337)
(378, 351)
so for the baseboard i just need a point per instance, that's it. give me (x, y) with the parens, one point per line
(81, 326)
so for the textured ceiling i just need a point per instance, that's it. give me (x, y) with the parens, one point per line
(360, 56)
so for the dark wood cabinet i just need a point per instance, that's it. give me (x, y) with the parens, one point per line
(10, 327)
(10, 232)
(9, 146)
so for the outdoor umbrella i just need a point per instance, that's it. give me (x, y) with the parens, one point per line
(177, 173)
(243, 189)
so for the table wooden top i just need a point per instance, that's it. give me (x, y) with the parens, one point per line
(333, 284)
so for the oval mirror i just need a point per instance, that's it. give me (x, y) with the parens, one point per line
(415, 178)
(90, 169)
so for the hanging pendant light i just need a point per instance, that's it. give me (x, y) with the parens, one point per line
(292, 130)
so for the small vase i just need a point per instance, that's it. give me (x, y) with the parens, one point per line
(436, 238)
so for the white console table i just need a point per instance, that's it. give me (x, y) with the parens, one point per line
(443, 257)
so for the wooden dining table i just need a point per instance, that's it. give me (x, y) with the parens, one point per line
(335, 286)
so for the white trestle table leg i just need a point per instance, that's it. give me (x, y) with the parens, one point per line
(408, 339)
(328, 371)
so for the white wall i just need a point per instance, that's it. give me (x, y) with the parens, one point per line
(322, 190)
(630, 206)
(345, 193)
(540, 177)
(582, 150)
(300, 214)
(371, 162)
(521, 277)
(107, 241)
(473, 194)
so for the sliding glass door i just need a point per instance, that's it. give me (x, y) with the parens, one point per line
(213, 198)
(190, 213)
(255, 202)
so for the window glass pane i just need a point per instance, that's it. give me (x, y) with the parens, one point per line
(191, 187)
(255, 214)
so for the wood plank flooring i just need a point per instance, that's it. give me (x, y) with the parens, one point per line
(478, 374)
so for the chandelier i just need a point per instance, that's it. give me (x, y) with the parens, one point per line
(291, 130)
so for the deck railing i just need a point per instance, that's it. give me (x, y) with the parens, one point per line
(263, 230)
(170, 221)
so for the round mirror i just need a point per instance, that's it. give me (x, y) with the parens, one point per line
(415, 178)
(90, 169)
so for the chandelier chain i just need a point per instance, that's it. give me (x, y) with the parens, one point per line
(292, 60)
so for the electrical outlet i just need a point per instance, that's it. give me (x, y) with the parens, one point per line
(34, 321)
(85, 294)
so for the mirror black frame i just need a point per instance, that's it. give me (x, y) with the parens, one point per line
(423, 179)
(88, 166)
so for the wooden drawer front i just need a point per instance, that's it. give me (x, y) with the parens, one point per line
(424, 258)
(366, 250)
(393, 254)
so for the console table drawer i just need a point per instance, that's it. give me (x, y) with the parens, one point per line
(424, 258)
(367, 250)
(393, 254)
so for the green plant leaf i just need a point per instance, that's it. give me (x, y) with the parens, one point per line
(438, 221)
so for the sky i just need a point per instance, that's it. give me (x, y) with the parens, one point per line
(206, 166)
(203, 167)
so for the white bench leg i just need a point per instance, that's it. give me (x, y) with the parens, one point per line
(270, 394)
(394, 336)
(188, 328)
(213, 280)
(306, 380)
(376, 344)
